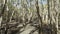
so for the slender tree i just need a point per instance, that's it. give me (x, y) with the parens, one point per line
(39, 16)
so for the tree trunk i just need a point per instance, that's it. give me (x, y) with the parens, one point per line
(39, 16)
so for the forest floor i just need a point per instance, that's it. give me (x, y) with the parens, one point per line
(28, 29)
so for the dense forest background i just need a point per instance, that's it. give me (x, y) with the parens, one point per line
(29, 16)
